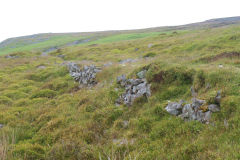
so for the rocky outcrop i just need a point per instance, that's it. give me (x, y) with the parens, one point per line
(197, 110)
(134, 88)
(85, 76)
(46, 51)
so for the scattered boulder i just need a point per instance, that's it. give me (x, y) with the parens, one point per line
(129, 60)
(218, 98)
(220, 66)
(134, 88)
(1, 126)
(85, 76)
(197, 110)
(41, 67)
(136, 49)
(150, 45)
(108, 64)
(174, 108)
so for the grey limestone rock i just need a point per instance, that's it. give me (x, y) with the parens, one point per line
(194, 111)
(85, 76)
(134, 88)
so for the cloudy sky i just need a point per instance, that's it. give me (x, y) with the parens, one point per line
(24, 17)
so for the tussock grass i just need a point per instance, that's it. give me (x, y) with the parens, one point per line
(53, 119)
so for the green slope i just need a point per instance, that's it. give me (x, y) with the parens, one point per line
(48, 43)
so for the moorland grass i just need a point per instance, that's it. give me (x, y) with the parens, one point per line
(46, 116)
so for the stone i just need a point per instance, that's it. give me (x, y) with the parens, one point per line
(1, 126)
(141, 74)
(41, 67)
(218, 98)
(150, 45)
(187, 112)
(220, 66)
(213, 108)
(174, 108)
(108, 64)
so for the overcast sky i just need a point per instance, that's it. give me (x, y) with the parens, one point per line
(24, 17)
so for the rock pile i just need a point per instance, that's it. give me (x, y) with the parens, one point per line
(11, 56)
(85, 76)
(134, 88)
(197, 110)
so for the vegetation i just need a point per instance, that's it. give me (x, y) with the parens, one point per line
(46, 116)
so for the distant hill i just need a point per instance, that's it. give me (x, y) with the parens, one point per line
(49, 41)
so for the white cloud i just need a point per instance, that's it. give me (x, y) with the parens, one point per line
(24, 17)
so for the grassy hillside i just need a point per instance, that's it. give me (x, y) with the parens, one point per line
(62, 41)
(46, 116)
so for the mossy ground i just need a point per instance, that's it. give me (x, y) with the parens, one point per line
(45, 116)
